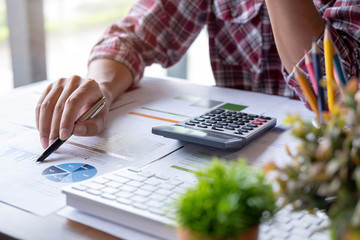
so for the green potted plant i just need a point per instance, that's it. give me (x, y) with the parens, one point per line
(228, 202)
(325, 170)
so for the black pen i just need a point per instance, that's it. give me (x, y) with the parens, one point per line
(87, 115)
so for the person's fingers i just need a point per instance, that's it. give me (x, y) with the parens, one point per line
(71, 85)
(46, 112)
(82, 97)
(39, 103)
(90, 127)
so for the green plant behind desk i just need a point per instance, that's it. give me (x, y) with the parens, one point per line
(229, 200)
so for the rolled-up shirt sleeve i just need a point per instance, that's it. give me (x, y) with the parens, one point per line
(152, 32)
(343, 21)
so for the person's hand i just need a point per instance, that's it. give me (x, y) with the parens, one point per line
(62, 103)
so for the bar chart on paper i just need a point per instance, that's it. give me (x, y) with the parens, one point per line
(69, 172)
(17, 154)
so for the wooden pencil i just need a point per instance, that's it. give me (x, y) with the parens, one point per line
(339, 68)
(318, 76)
(310, 68)
(305, 87)
(328, 54)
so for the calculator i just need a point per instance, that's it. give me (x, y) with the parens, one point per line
(219, 128)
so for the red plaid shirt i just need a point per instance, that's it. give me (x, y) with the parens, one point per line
(242, 47)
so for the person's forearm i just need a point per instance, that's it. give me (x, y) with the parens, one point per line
(114, 78)
(294, 23)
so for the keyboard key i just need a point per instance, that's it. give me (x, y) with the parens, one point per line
(93, 192)
(141, 192)
(163, 192)
(124, 201)
(138, 199)
(162, 176)
(117, 178)
(146, 174)
(79, 187)
(175, 181)
(123, 194)
(155, 204)
(156, 211)
(113, 184)
(139, 205)
(153, 181)
(135, 184)
(94, 185)
(101, 180)
(167, 186)
(148, 187)
(132, 176)
(127, 188)
(109, 190)
(157, 197)
(108, 196)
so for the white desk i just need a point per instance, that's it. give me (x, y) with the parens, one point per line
(20, 105)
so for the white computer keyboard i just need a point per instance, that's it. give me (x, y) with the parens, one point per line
(143, 200)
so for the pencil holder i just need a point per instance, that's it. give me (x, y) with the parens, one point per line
(324, 173)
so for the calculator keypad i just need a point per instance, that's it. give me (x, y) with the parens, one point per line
(230, 122)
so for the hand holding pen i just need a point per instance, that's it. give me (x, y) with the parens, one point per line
(98, 106)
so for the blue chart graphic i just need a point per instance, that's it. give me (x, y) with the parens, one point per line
(69, 172)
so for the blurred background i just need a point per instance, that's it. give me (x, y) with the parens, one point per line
(73, 27)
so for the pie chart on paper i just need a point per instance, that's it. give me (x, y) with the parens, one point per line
(69, 172)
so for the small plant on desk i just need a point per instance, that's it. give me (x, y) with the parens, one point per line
(325, 170)
(228, 202)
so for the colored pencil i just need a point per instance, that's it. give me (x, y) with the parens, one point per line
(310, 68)
(339, 68)
(308, 92)
(318, 76)
(329, 55)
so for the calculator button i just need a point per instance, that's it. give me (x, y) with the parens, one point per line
(194, 121)
(265, 117)
(211, 121)
(190, 124)
(252, 125)
(247, 128)
(205, 116)
(256, 122)
(229, 128)
(217, 129)
(217, 111)
(202, 126)
(261, 120)
(200, 119)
